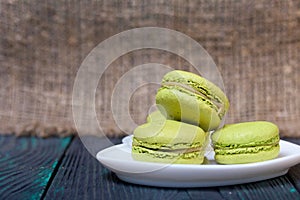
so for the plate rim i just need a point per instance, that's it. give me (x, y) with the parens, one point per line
(279, 166)
(288, 157)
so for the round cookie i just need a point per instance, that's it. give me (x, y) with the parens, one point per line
(246, 142)
(190, 98)
(169, 141)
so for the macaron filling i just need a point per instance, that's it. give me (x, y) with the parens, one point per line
(251, 147)
(166, 146)
(167, 154)
(246, 150)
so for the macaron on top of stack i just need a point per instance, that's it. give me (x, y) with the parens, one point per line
(246, 142)
(169, 141)
(190, 98)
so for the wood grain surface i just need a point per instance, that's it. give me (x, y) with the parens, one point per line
(82, 177)
(56, 168)
(27, 164)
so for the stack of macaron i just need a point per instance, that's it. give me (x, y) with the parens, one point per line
(189, 108)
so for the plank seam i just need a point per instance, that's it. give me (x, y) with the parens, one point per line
(53, 174)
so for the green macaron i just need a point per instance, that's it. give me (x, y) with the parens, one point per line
(246, 142)
(169, 141)
(156, 116)
(190, 98)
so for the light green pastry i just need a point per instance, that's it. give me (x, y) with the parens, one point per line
(246, 142)
(169, 141)
(187, 97)
(156, 116)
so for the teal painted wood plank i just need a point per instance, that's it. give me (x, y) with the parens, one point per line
(26, 165)
(277, 188)
(81, 176)
(294, 176)
(294, 172)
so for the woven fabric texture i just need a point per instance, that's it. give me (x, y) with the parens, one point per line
(255, 44)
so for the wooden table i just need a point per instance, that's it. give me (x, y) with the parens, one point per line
(61, 168)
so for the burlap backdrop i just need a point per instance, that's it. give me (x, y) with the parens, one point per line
(255, 45)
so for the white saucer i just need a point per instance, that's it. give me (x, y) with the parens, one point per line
(118, 159)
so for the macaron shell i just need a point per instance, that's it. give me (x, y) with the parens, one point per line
(190, 109)
(248, 157)
(169, 132)
(246, 132)
(156, 116)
